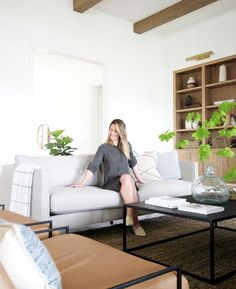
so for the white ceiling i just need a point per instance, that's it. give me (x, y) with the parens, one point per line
(135, 10)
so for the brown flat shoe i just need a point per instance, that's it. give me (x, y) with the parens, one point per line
(139, 231)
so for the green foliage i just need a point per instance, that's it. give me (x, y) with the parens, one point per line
(230, 175)
(182, 144)
(60, 146)
(193, 116)
(215, 120)
(225, 152)
(167, 135)
(204, 152)
(203, 134)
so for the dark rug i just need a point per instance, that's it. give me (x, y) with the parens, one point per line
(191, 252)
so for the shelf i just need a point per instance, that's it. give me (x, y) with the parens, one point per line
(192, 89)
(221, 127)
(189, 109)
(221, 84)
(185, 130)
(212, 106)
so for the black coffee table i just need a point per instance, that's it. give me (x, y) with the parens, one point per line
(211, 219)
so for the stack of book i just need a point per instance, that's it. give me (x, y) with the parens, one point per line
(166, 202)
(183, 205)
(200, 208)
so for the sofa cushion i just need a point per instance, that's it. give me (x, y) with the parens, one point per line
(66, 199)
(62, 170)
(168, 165)
(164, 187)
(87, 264)
(26, 260)
(147, 166)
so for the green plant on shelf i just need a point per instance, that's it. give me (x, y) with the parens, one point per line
(204, 134)
(60, 145)
(193, 117)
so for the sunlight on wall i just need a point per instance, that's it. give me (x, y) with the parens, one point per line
(64, 97)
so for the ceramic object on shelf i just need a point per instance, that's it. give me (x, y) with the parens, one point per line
(188, 100)
(222, 73)
(188, 124)
(210, 189)
(195, 124)
(232, 119)
(191, 82)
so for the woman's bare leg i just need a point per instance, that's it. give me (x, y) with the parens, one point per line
(130, 195)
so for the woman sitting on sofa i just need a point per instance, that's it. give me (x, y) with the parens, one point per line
(117, 156)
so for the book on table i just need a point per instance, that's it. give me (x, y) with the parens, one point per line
(200, 208)
(166, 202)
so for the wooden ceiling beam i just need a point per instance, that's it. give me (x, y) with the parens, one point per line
(170, 13)
(83, 5)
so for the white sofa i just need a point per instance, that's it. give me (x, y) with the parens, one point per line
(52, 198)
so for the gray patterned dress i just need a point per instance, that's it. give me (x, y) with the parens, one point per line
(115, 164)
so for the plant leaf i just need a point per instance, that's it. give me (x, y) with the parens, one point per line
(201, 133)
(167, 135)
(204, 152)
(182, 143)
(56, 133)
(230, 175)
(225, 152)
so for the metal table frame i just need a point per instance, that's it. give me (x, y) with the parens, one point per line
(212, 219)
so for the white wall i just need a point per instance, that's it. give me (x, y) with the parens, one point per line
(138, 76)
(63, 97)
(132, 65)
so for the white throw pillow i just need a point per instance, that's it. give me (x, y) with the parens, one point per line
(168, 165)
(147, 166)
(26, 259)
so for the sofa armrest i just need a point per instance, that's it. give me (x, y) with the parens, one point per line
(40, 207)
(7, 176)
(189, 170)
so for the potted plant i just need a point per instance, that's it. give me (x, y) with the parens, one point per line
(60, 145)
(192, 120)
(204, 134)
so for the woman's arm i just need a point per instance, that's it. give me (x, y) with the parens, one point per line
(137, 174)
(86, 176)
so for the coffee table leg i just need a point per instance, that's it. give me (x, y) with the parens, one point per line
(212, 252)
(124, 228)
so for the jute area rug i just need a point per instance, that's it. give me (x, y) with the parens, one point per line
(191, 252)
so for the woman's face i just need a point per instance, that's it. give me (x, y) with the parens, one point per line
(113, 135)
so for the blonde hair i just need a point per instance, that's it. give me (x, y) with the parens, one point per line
(123, 144)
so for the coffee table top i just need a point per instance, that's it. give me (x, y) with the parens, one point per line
(228, 213)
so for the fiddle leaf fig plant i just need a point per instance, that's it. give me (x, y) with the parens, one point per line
(60, 145)
(204, 134)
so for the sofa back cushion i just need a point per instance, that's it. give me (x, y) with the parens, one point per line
(168, 165)
(62, 170)
(147, 165)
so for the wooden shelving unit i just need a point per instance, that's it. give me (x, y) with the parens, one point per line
(208, 90)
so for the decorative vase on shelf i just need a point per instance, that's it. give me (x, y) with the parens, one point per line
(188, 124)
(222, 73)
(191, 82)
(195, 124)
(210, 189)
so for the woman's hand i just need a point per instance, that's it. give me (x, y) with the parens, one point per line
(77, 185)
(86, 176)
